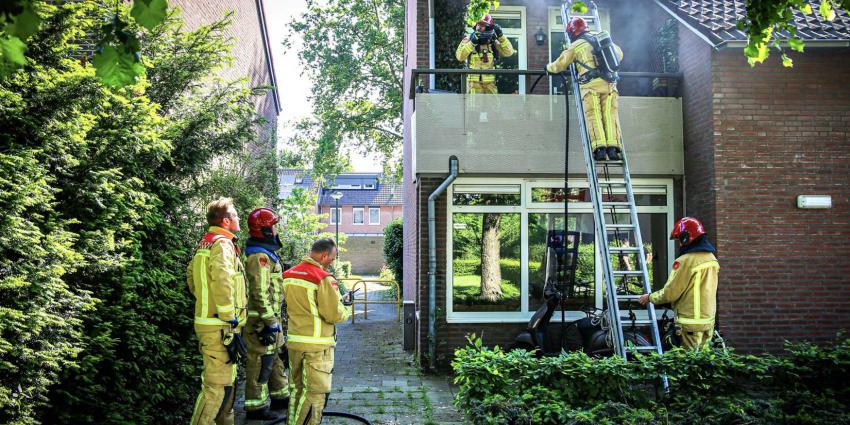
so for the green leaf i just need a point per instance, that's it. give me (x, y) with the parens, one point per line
(11, 55)
(149, 13)
(826, 10)
(806, 9)
(786, 61)
(578, 7)
(24, 24)
(796, 44)
(117, 68)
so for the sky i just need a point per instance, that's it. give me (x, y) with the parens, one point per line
(294, 88)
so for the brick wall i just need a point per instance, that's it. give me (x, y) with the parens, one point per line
(779, 133)
(249, 53)
(695, 64)
(366, 254)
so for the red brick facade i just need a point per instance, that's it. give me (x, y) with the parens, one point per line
(250, 51)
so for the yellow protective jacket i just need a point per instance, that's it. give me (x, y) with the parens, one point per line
(582, 51)
(215, 277)
(466, 50)
(265, 288)
(692, 290)
(313, 307)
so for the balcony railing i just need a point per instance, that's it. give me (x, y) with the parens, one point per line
(646, 84)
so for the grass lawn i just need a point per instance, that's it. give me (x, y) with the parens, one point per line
(466, 290)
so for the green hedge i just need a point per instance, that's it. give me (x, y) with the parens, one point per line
(807, 385)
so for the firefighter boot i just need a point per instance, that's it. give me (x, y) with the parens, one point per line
(614, 154)
(600, 154)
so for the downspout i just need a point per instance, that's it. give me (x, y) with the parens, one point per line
(432, 79)
(432, 260)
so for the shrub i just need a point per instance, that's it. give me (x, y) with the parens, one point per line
(807, 385)
(394, 248)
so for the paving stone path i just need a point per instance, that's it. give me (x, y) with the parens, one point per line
(376, 379)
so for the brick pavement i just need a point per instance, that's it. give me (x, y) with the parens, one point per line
(376, 379)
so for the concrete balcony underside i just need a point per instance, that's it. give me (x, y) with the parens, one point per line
(524, 134)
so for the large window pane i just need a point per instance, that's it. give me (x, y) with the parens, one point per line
(542, 264)
(508, 84)
(486, 262)
(653, 228)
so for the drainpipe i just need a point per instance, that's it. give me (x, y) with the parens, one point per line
(432, 79)
(432, 260)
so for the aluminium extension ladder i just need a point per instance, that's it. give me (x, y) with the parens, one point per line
(607, 206)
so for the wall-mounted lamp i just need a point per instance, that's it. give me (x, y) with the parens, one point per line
(540, 36)
(814, 201)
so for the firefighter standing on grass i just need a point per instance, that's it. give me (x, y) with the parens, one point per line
(482, 47)
(598, 86)
(692, 285)
(216, 280)
(313, 306)
(265, 382)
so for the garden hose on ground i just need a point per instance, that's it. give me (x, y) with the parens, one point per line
(327, 414)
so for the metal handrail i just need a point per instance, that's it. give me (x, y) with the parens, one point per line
(416, 72)
(365, 300)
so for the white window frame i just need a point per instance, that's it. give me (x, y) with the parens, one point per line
(334, 213)
(378, 221)
(525, 208)
(354, 216)
(522, 37)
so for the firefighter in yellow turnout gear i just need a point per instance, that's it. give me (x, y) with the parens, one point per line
(314, 306)
(692, 285)
(599, 97)
(481, 48)
(216, 280)
(265, 382)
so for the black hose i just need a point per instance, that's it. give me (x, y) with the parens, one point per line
(329, 414)
(535, 83)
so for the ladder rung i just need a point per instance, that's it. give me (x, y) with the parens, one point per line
(617, 163)
(642, 348)
(623, 249)
(628, 297)
(612, 184)
(619, 226)
(626, 322)
(628, 273)
(616, 204)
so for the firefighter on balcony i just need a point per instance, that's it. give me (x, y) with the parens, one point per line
(481, 48)
(314, 307)
(597, 60)
(216, 280)
(692, 286)
(265, 382)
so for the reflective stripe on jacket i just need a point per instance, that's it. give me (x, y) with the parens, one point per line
(215, 277)
(692, 289)
(265, 288)
(466, 50)
(313, 307)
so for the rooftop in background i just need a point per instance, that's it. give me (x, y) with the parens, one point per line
(718, 19)
(290, 178)
(361, 189)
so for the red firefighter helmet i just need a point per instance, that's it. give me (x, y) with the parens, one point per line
(486, 21)
(687, 230)
(576, 27)
(260, 222)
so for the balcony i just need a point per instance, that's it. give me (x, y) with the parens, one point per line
(524, 133)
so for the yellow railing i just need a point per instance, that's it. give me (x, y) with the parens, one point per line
(366, 301)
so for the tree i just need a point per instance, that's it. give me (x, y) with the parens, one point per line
(353, 52)
(491, 270)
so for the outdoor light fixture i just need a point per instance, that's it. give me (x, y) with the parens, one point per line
(336, 197)
(540, 36)
(814, 201)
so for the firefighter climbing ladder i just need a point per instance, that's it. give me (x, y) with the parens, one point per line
(605, 203)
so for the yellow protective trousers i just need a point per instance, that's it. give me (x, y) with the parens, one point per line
(479, 87)
(264, 375)
(694, 339)
(600, 100)
(214, 404)
(310, 375)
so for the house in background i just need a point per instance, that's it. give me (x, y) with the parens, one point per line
(366, 207)
(730, 144)
(290, 178)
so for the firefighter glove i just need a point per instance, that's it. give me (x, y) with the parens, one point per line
(268, 335)
(236, 348)
(498, 29)
(473, 37)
